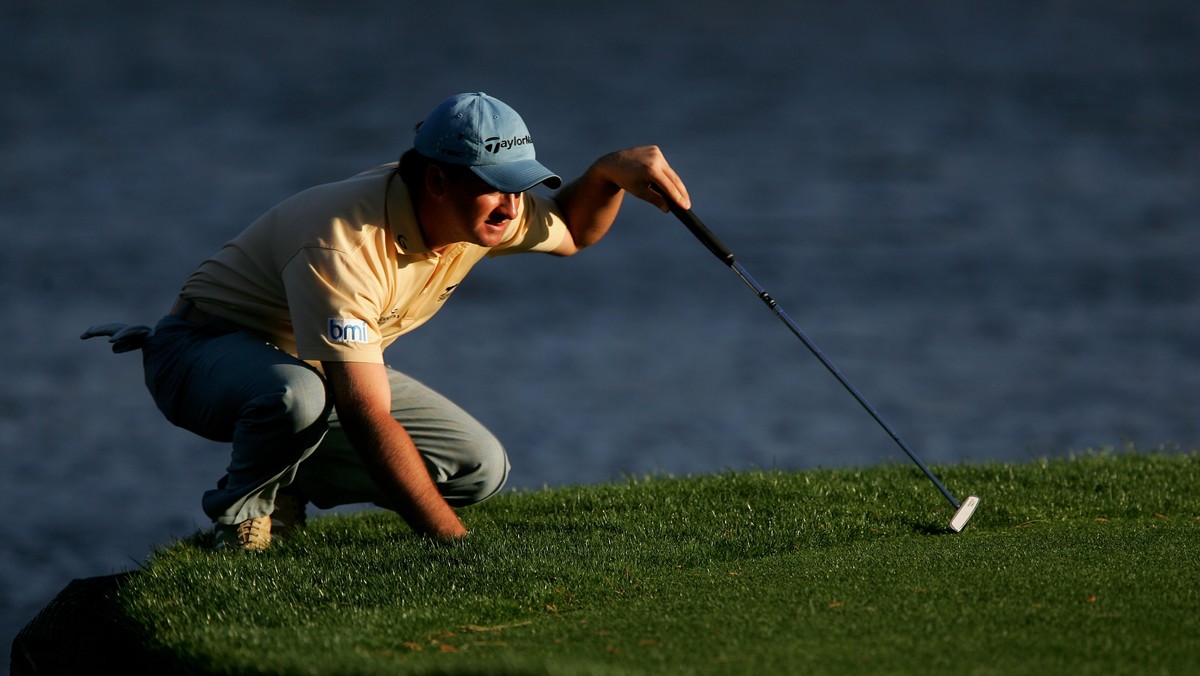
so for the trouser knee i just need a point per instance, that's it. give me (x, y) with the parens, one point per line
(290, 417)
(480, 475)
(292, 409)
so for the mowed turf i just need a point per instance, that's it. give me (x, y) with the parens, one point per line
(1082, 565)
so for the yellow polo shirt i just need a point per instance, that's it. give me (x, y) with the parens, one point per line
(339, 271)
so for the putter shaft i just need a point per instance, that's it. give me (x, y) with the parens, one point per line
(726, 256)
(766, 298)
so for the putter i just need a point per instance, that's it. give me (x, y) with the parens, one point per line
(962, 510)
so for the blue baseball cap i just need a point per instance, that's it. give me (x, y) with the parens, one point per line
(481, 132)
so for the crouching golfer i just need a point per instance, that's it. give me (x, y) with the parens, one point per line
(276, 342)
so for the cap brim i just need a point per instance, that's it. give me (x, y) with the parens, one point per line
(516, 176)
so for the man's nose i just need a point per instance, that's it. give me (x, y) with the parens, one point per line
(508, 207)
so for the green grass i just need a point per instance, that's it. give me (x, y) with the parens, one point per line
(1086, 565)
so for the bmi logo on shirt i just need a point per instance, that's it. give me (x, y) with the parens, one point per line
(347, 330)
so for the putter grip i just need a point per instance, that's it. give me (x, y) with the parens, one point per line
(703, 234)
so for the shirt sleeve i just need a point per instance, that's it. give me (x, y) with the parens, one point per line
(542, 227)
(335, 307)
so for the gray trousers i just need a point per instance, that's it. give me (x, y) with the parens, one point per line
(226, 385)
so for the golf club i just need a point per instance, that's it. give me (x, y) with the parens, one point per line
(963, 510)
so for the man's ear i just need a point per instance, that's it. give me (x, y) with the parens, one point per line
(436, 181)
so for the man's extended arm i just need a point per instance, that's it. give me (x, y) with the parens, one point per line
(364, 401)
(590, 203)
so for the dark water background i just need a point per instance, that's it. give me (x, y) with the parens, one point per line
(985, 213)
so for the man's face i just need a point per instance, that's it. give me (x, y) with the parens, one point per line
(474, 211)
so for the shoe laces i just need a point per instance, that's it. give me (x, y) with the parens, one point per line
(249, 535)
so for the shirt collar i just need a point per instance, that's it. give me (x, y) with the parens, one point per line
(402, 219)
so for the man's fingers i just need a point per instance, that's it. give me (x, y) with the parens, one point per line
(645, 173)
(673, 189)
(669, 190)
(665, 187)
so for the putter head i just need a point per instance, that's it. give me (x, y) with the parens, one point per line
(963, 515)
